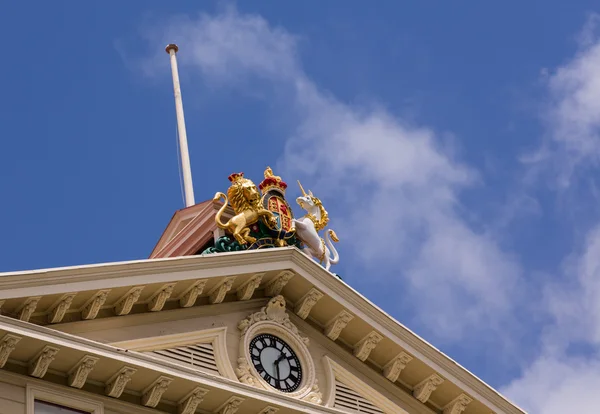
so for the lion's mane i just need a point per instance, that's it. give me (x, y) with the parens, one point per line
(238, 201)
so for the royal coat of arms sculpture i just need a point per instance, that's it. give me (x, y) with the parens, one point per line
(266, 220)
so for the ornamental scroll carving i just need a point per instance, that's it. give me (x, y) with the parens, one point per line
(274, 311)
(274, 319)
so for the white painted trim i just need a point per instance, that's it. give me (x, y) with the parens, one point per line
(64, 398)
(158, 365)
(133, 273)
(217, 337)
(334, 371)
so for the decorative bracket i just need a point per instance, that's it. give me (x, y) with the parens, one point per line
(423, 390)
(307, 302)
(269, 410)
(151, 395)
(189, 403)
(230, 406)
(90, 309)
(116, 384)
(27, 309)
(246, 290)
(124, 305)
(189, 297)
(217, 294)
(364, 347)
(60, 308)
(392, 369)
(7, 345)
(78, 375)
(458, 405)
(38, 366)
(334, 327)
(276, 285)
(158, 300)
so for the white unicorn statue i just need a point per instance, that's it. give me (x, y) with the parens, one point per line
(307, 229)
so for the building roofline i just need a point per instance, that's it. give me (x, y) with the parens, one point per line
(96, 276)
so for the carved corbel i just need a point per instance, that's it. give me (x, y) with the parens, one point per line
(269, 410)
(2, 304)
(79, 373)
(189, 403)
(392, 369)
(116, 384)
(124, 305)
(7, 345)
(276, 285)
(60, 308)
(92, 307)
(151, 396)
(158, 300)
(334, 327)
(307, 302)
(314, 396)
(423, 390)
(27, 309)
(230, 406)
(458, 405)
(364, 347)
(38, 366)
(189, 297)
(246, 290)
(217, 294)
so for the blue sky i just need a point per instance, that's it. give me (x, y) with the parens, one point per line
(456, 148)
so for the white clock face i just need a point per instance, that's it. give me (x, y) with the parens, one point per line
(276, 362)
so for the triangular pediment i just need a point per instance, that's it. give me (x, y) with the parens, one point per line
(104, 301)
(189, 231)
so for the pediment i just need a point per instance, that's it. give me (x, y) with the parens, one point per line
(86, 298)
(189, 230)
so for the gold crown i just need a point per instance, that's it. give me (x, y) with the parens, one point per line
(272, 182)
(235, 177)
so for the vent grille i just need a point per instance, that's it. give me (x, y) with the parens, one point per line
(346, 399)
(201, 356)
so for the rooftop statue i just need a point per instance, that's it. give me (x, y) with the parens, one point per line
(245, 200)
(268, 220)
(308, 227)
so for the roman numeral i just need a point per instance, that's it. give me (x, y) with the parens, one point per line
(279, 345)
(289, 382)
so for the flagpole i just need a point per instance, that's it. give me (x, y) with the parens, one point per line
(183, 145)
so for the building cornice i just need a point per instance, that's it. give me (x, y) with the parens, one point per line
(132, 273)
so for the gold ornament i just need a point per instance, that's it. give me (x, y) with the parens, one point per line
(245, 201)
(321, 223)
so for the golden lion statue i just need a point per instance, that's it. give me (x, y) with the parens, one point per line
(245, 200)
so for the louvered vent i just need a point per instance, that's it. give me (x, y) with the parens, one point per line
(346, 399)
(201, 356)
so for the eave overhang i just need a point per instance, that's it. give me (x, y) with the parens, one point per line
(147, 369)
(333, 298)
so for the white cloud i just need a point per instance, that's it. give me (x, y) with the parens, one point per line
(573, 114)
(388, 181)
(565, 376)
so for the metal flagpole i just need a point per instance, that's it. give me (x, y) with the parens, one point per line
(183, 146)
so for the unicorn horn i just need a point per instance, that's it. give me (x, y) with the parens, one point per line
(303, 192)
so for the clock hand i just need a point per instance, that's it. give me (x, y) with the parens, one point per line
(277, 369)
(280, 358)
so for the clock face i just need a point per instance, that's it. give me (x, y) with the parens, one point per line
(276, 362)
